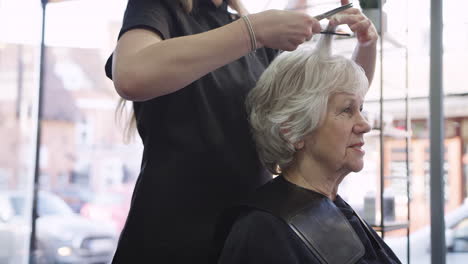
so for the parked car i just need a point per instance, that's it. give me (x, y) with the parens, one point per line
(62, 235)
(74, 196)
(13, 234)
(110, 207)
(456, 232)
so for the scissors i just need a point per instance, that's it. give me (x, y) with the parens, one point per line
(333, 11)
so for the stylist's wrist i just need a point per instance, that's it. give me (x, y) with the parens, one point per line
(369, 42)
(245, 35)
(367, 37)
(256, 21)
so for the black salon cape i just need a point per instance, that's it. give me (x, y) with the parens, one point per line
(198, 153)
(261, 238)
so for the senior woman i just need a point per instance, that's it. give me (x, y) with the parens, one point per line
(305, 114)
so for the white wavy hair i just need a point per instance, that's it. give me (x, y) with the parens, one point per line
(291, 98)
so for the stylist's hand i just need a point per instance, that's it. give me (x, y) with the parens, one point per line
(358, 23)
(283, 30)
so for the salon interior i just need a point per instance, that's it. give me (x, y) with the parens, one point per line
(63, 152)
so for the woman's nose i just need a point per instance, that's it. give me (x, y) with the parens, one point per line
(362, 125)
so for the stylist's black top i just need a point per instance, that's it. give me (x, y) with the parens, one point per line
(198, 154)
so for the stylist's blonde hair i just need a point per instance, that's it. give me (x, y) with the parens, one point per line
(126, 118)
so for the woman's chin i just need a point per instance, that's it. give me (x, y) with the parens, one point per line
(356, 166)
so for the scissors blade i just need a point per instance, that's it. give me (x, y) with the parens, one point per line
(333, 11)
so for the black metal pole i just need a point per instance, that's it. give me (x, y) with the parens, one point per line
(436, 121)
(32, 240)
(408, 143)
(382, 125)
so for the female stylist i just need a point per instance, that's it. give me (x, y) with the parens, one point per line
(187, 65)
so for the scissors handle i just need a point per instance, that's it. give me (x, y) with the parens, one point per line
(333, 11)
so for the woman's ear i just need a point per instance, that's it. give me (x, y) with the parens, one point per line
(283, 130)
(299, 145)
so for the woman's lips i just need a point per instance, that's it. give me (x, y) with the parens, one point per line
(358, 147)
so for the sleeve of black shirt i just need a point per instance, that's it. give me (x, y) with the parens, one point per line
(262, 238)
(154, 15)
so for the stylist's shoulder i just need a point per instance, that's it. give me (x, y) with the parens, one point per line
(145, 23)
(126, 62)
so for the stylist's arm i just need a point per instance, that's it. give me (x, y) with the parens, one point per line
(145, 66)
(367, 36)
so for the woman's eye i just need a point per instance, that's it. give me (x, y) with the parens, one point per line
(347, 110)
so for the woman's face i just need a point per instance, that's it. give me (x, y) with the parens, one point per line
(337, 142)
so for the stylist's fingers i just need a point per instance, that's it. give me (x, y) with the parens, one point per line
(299, 41)
(358, 23)
(361, 26)
(283, 30)
(348, 19)
(290, 46)
(313, 25)
(353, 11)
(316, 27)
(344, 2)
(365, 32)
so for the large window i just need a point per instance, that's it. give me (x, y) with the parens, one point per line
(88, 172)
(83, 159)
